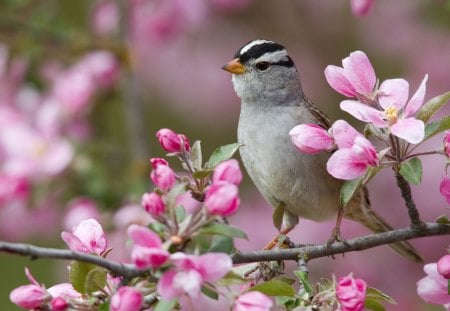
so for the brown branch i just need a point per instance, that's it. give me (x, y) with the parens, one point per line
(405, 189)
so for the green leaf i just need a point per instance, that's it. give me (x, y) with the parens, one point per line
(180, 213)
(95, 280)
(210, 291)
(78, 275)
(373, 304)
(411, 170)
(303, 277)
(221, 244)
(231, 278)
(448, 287)
(202, 174)
(274, 288)
(223, 229)
(173, 194)
(166, 305)
(437, 127)
(104, 306)
(196, 155)
(221, 154)
(348, 190)
(443, 219)
(432, 106)
(379, 295)
(278, 216)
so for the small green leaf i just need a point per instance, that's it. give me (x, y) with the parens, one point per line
(223, 229)
(196, 155)
(411, 170)
(274, 288)
(348, 190)
(210, 291)
(285, 279)
(432, 106)
(278, 216)
(443, 219)
(379, 295)
(166, 305)
(221, 244)
(180, 213)
(202, 174)
(437, 127)
(231, 278)
(373, 304)
(221, 154)
(104, 306)
(303, 277)
(95, 280)
(78, 275)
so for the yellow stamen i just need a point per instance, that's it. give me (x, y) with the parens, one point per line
(391, 114)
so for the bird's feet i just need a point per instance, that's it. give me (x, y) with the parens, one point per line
(335, 237)
(279, 239)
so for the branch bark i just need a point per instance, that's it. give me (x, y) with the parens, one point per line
(405, 189)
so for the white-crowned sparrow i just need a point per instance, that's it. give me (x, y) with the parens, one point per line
(272, 103)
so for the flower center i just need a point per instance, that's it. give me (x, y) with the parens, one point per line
(391, 114)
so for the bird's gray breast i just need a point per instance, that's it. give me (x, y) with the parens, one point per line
(279, 171)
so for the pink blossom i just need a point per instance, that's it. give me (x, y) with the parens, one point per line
(30, 296)
(80, 209)
(396, 113)
(102, 66)
(228, 171)
(105, 18)
(222, 198)
(444, 188)
(443, 266)
(171, 141)
(153, 204)
(163, 177)
(147, 250)
(59, 304)
(447, 143)
(351, 293)
(158, 161)
(87, 237)
(64, 290)
(190, 272)
(311, 138)
(126, 299)
(252, 301)
(361, 7)
(355, 78)
(433, 287)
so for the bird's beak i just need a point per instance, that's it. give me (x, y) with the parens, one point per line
(234, 66)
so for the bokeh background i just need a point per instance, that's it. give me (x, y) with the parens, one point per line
(85, 85)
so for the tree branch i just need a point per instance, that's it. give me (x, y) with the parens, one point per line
(405, 189)
(307, 252)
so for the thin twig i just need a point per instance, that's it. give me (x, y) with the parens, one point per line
(405, 189)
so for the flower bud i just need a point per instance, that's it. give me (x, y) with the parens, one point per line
(311, 138)
(444, 188)
(447, 144)
(158, 161)
(351, 293)
(443, 266)
(153, 204)
(253, 301)
(30, 296)
(228, 171)
(171, 141)
(59, 304)
(126, 299)
(163, 177)
(222, 198)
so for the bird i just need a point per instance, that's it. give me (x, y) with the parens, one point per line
(266, 80)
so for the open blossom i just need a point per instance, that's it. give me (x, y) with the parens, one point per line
(252, 301)
(355, 78)
(87, 237)
(222, 198)
(190, 272)
(153, 204)
(171, 141)
(147, 250)
(443, 266)
(433, 287)
(311, 138)
(163, 177)
(444, 188)
(126, 299)
(228, 171)
(351, 293)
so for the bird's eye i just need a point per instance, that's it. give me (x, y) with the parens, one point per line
(262, 66)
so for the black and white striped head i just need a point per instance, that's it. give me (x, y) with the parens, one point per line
(263, 68)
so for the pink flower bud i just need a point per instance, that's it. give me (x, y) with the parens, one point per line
(444, 188)
(222, 198)
(30, 296)
(158, 161)
(153, 204)
(171, 141)
(126, 299)
(311, 138)
(361, 7)
(351, 293)
(163, 177)
(447, 144)
(443, 266)
(228, 171)
(59, 304)
(253, 301)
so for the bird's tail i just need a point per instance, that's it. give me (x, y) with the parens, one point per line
(358, 209)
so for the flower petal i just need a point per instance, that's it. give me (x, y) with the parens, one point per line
(337, 80)
(347, 165)
(143, 236)
(310, 138)
(363, 112)
(213, 266)
(393, 92)
(165, 286)
(416, 100)
(344, 134)
(409, 129)
(444, 188)
(91, 234)
(360, 73)
(74, 242)
(433, 287)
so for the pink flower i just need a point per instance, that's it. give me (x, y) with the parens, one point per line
(163, 177)
(361, 7)
(355, 78)
(153, 204)
(31, 296)
(443, 266)
(126, 299)
(222, 198)
(447, 144)
(158, 161)
(355, 153)
(433, 287)
(351, 293)
(190, 272)
(444, 188)
(87, 237)
(311, 138)
(396, 113)
(171, 141)
(253, 301)
(147, 250)
(228, 171)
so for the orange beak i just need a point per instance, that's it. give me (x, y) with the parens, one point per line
(234, 66)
